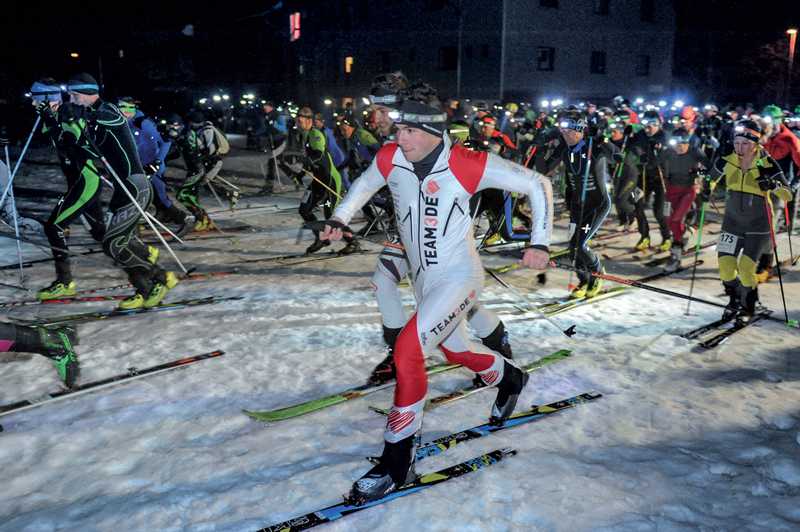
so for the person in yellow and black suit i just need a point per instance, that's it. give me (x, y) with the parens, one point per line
(751, 177)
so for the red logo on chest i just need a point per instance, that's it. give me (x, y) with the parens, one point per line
(432, 187)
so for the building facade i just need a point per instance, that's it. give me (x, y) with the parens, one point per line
(495, 49)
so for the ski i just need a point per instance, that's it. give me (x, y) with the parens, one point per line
(110, 314)
(718, 338)
(665, 273)
(575, 303)
(342, 509)
(708, 327)
(686, 253)
(131, 374)
(440, 445)
(448, 398)
(314, 405)
(84, 295)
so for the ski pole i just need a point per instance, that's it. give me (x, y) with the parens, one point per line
(133, 200)
(583, 202)
(326, 187)
(16, 217)
(768, 206)
(789, 231)
(19, 161)
(569, 332)
(696, 252)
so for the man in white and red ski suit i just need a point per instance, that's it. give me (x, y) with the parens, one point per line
(431, 185)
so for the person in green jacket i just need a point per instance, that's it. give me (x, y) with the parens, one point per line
(326, 183)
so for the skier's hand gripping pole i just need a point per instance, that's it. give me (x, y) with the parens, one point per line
(332, 229)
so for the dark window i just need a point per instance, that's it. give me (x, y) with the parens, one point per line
(412, 55)
(468, 51)
(484, 51)
(545, 58)
(601, 7)
(597, 65)
(643, 65)
(549, 3)
(448, 58)
(647, 11)
(386, 61)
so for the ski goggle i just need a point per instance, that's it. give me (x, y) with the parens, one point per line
(678, 139)
(41, 93)
(572, 124)
(83, 88)
(746, 133)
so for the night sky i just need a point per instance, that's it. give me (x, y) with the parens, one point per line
(714, 38)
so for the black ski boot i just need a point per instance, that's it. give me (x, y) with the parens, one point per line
(395, 468)
(496, 341)
(749, 299)
(734, 305)
(386, 371)
(508, 390)
(351, 247)
(317, 245)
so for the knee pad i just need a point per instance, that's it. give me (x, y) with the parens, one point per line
(727, 268)
(747, 272)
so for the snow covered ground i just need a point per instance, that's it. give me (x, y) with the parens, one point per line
(680, 441)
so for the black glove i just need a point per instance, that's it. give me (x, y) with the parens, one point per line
(766, 182)
(765, 179)
(618, 157)
(152, 168)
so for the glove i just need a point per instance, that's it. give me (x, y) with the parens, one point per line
(618, 157)
(152, 168)
(765, 180)
(766, 183)
(713, 142)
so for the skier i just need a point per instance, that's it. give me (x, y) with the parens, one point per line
(586, 196)
(648, 145)
(83, 190)
(680, 164)
(393, 264)
(326, 182)
(200, 150)
(153, 150)
(751, 177)
(89, 124)
(55, 344)
(431, 184)
(784, 147)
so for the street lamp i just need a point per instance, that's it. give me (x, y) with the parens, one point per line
(74, 55)
(792, 33)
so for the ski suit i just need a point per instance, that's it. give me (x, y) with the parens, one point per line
(679, 173)
(746, 226)
(199, 149)
(588, 201)
(82, 197)
(153, 150)
(649, 149)
(433, 219)
(104, 126)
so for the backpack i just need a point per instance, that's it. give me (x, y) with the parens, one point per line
(223, 146)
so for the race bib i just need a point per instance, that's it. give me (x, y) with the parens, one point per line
(667, 209)
(727, 243)
(306, 197)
